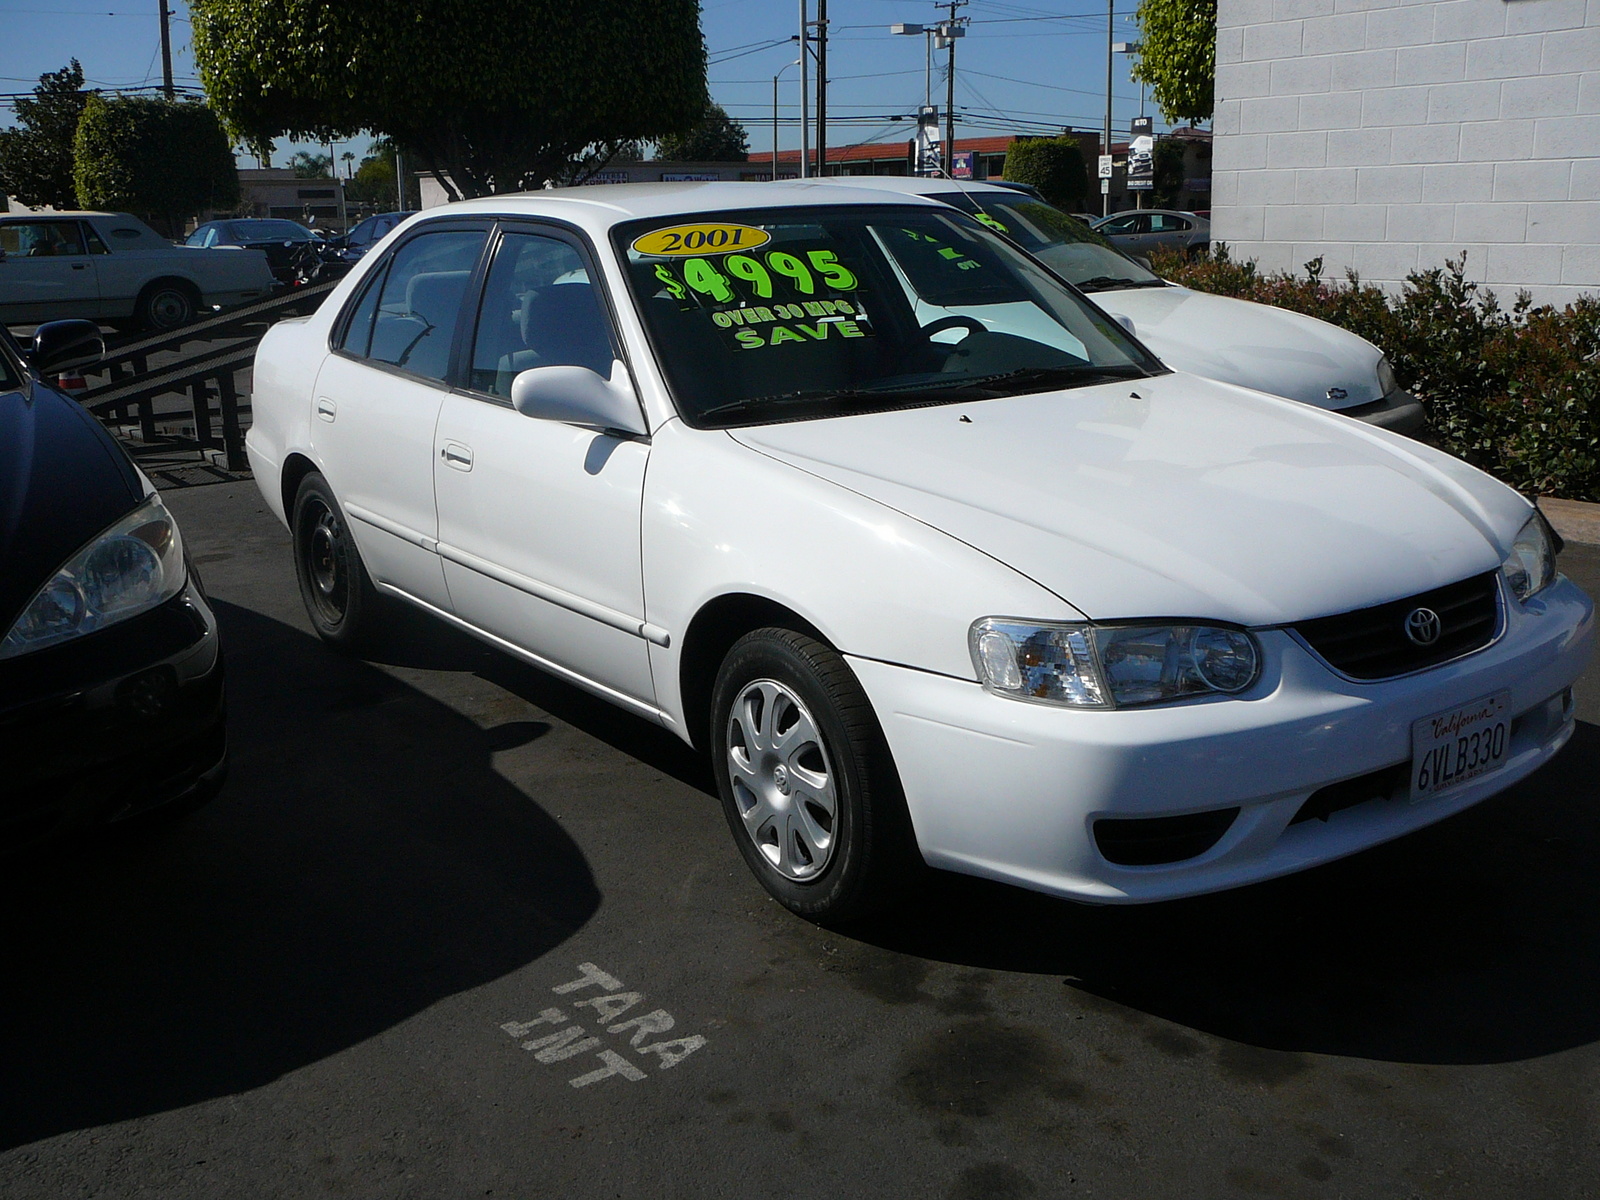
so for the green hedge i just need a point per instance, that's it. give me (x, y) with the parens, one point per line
(1514, 391)
(1054, 166)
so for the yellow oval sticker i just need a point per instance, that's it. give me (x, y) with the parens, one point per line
(700, 239)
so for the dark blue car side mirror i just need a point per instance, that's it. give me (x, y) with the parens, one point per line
(65, 345)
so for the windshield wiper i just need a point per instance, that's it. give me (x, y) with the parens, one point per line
(1106, 283)
(1054, 377)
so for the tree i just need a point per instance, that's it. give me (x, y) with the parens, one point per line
(715, 137)
(36, 156)
(307, 165)
(374, 181)
(1054, 166)
(163, 160)
(490, 95)
(1178, 58)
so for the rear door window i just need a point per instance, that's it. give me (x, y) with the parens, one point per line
(419, 303)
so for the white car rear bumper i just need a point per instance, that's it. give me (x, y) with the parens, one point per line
(1011, 790)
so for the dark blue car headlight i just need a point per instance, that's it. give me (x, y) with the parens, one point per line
(128, 569)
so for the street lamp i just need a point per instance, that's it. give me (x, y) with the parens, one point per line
(775, 79)
(1131, 48)
(905, 29)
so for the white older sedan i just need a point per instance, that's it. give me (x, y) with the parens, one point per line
(113, 267)
(935, 561)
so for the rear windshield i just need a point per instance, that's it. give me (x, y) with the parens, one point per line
(782, 314)
(255, 231)
(10, 356)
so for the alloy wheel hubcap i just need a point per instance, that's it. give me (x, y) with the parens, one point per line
(782, 780)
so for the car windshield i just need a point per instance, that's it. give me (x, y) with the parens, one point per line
(261, 231)
(10, 378)
(1066, 245)
(781, 314)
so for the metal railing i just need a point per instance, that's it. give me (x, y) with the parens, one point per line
(133, 386)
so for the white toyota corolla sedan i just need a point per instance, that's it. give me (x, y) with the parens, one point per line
(935, 561)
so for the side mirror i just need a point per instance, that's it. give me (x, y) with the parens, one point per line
(1142, 261)
(1126, 323)
(66, 345)
(579, 396)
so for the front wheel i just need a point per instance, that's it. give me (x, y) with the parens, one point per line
(337, 591)
(807, 783)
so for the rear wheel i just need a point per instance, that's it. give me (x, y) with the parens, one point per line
(334, 585)
(807, 783)
(166, 304)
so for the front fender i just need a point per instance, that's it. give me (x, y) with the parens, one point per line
(721, 518)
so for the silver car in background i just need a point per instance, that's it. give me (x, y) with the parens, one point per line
(1142, 230)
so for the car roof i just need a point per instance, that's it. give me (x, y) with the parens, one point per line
(1170, 212)
(612, 203)
(43, 216)
(919, 185)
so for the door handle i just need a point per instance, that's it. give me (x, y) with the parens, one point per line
(80, 266)
(326, 409)
(457, 456)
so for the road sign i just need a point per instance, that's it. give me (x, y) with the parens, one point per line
(1105, 167)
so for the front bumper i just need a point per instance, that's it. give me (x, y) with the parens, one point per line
(1011, 790)
(110, 726)
(1400, 412)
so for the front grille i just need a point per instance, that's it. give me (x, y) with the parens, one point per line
(1371, 643)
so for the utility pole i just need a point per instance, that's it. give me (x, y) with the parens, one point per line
(950, 30)
(805, 97)
(822, 87)
(166, 51)
(1111, 33)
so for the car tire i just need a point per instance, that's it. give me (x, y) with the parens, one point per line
(165, 305)
(793, 736)
(344, 606)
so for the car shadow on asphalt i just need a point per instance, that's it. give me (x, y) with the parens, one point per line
(1474, 941)
(418, 640)
(364, 862)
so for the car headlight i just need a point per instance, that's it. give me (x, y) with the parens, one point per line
(1531, 565)
(1110, 666)
(128, 569)
(1387, 383)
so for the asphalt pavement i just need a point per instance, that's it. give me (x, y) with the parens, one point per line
(454, 929)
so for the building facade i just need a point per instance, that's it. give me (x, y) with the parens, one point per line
(1388, 135)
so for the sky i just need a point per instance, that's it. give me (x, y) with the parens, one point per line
(1022, 67)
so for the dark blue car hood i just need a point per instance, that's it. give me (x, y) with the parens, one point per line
(62, 480)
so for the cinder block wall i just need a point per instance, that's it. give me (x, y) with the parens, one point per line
(1386, 135)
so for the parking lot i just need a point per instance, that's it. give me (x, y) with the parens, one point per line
(323, 983)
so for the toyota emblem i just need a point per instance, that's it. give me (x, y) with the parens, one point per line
(1423, 626)
(1337, 393)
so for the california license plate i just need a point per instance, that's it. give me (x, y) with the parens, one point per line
(1459, 744)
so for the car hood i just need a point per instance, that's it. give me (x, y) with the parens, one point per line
(1254, 345)
(1173, 496)
(62, 480)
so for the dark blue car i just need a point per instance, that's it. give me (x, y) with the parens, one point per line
(111, 674)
